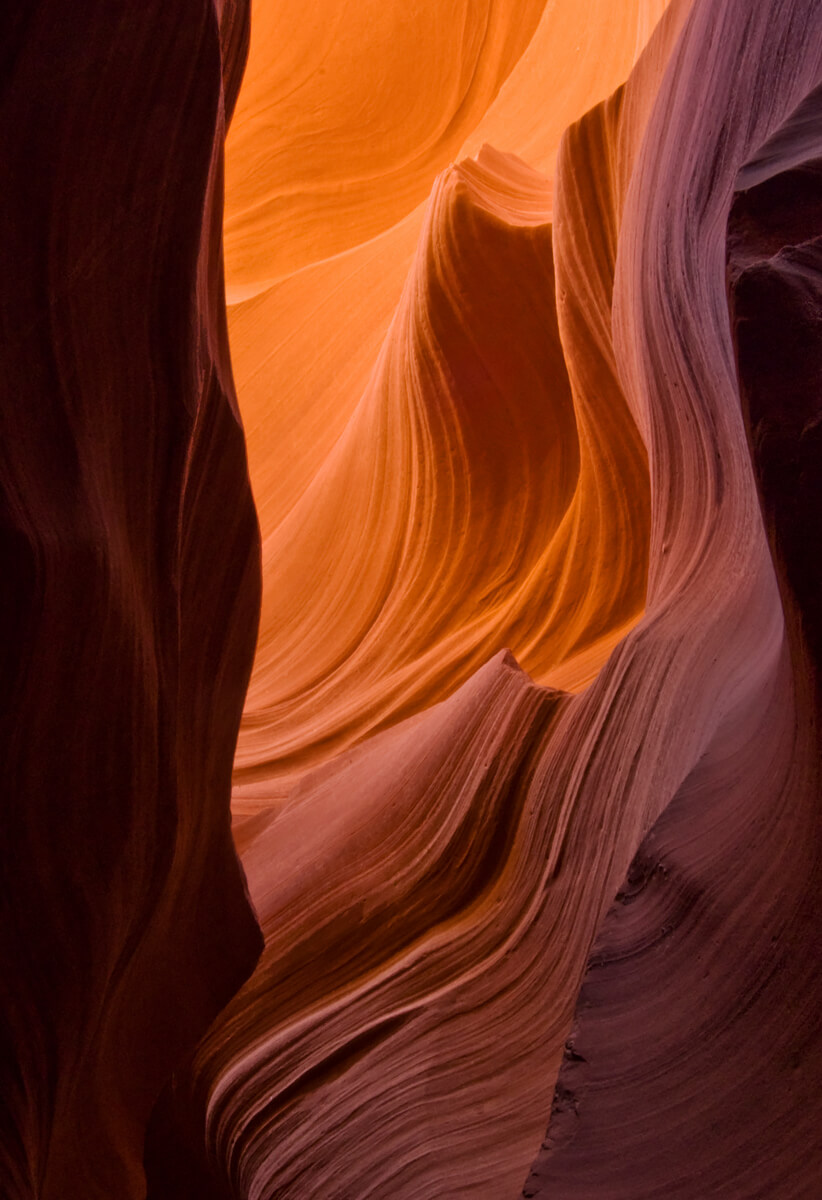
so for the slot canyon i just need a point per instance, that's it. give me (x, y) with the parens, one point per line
(411, 606)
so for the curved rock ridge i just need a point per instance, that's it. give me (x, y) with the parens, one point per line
(375, 588)
(129, 554)
(695, 1063)
(304, 353)
(690, 755)
(576, 58)
(397, 891)
(457, 511)
(343, 123)
(573, 410)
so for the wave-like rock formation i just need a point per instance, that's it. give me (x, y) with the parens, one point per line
(696, 1057)
(307, 355)
(129, 559)
(527, 785)
(476, 498)
(366, 618)
(430, 897)
(395, 891)
(349, 110)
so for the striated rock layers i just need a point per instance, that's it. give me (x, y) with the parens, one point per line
(478, 497)
(348, 110)
(430, 896)
(368, 361)
(696, 1058)
(129, 559)
(571, 409)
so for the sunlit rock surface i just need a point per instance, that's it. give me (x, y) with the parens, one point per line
(477, 498)
(526, 329)
(349, 110)
(370, 1055)
(402, 351)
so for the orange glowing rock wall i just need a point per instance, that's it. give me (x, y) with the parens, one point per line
(349, 110)
(525, 316)
(428, 490)
(541, 445)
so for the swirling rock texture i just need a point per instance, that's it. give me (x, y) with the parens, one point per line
(129, 555)
(568, 406)
(340, 130)
(378, 603)
(429, 898)
(310, 350)
(719, 1095)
